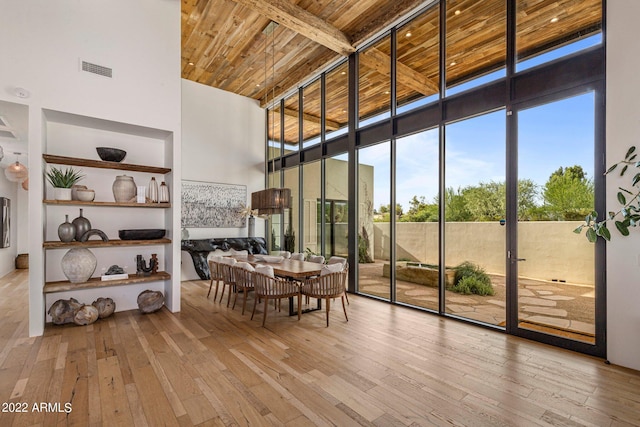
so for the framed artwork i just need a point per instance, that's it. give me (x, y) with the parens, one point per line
(5, 220)
(212, 205)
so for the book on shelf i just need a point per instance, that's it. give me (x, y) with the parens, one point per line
(106, 277)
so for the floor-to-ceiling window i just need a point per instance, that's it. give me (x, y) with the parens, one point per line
(442, 175)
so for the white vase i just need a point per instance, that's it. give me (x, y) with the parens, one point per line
(124, 189)
(61, 193)
(78, 265)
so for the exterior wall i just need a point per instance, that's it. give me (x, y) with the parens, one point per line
(552, 251)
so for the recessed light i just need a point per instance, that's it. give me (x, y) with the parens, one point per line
(554, 20)
(408, 34)
(457, 12)
(191, 63)
(453, 63)
(257, 84)
(343, 73)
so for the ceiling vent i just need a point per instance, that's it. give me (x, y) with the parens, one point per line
(97, 69)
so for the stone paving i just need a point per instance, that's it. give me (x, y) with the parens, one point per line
(563, 306)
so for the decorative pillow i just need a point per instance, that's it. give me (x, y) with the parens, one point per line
(318, 259)
(217, 252)
(330, 268)
(245, 265)
(267, 270)
(298, 256)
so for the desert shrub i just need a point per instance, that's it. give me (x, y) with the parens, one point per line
(470, 278)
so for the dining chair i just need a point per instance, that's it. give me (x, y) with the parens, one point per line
(243, 274)
(343, 261)
(214, 273)
(228, 279)
(329, 285)
(318, 259)
(297, 256)
(284, 254)
(267, 286)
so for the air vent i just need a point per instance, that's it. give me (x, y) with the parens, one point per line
(96, 69)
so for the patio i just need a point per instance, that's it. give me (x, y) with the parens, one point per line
(559, 308)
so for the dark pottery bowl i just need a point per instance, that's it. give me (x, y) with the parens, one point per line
(142, 234)
(109, 154)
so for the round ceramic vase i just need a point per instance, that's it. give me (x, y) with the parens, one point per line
(66, 230)
(124, 189)
(82, 225)
(78, 265)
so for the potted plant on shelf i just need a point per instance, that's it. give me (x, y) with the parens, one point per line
(62, 181)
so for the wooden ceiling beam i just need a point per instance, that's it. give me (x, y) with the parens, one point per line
(407, 76)
(299, 20)
(310, 118)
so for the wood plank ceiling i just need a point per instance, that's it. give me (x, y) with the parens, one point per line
(227, 44)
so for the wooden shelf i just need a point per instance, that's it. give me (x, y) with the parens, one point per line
(53, 244)
(95, 282)
(73, 161)
(113, 204)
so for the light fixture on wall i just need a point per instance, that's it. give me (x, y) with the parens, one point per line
(16, 172)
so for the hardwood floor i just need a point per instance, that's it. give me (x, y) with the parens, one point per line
(209, 365)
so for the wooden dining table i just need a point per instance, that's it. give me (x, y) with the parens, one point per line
(290, 269)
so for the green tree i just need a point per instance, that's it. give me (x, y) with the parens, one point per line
(385, 211)
(568, 194)
(420, 211)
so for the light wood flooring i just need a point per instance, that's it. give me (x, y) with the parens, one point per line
(209, 365)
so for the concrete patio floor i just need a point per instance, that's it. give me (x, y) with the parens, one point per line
(559, 308)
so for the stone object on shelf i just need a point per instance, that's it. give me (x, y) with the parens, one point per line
(85, 315)
(124, 189)
(105, 306)
(78, 265)
(63, 310)
(150, 301)
(66, 230)
(110, 154)
(94, 232)
(142, 234)
(82, 225)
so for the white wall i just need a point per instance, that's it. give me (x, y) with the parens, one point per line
(223, 136)
(48, 40)
(623, 128)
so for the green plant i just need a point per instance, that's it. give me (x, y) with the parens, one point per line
(628, 198)
(63, 179)
(470, 278)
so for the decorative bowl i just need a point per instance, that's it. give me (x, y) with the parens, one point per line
(142, 234)
(110, 154)
(85, 195)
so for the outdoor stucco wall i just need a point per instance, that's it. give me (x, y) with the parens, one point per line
(551, 249)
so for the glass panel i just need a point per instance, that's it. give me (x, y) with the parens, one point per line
(556, 274)
(273, 132)
(373, 190)
(476, 43)
(336, 206)
(374, 87)
(274, 221)
(311, 118)
(549, 29)
(291, 126)
(475, 208)
(337, 100)
(292, 215)
(311, 195)
(417, 224)
(418, 53)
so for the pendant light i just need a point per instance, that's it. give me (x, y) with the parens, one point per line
(16, 172)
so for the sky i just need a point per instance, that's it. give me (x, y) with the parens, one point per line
(550, 136)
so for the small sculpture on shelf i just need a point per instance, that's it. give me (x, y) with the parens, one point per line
(141, 265)
(92, 232)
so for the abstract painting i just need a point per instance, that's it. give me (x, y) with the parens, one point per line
(212, 205)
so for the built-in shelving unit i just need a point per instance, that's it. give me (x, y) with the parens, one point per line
(71, 140)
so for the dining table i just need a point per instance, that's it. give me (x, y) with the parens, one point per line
(289, 269)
